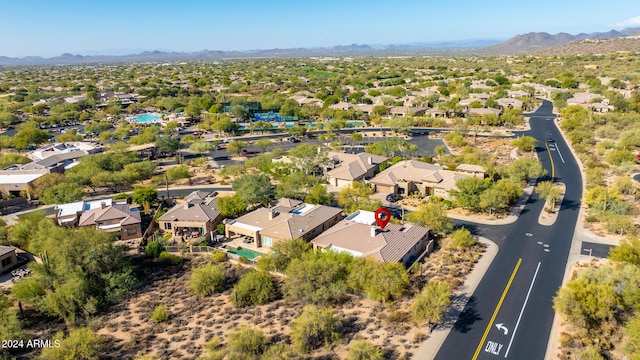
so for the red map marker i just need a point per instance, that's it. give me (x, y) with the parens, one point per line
(382, 216)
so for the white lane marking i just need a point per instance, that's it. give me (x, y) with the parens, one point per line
(559, 153)
(515, 329)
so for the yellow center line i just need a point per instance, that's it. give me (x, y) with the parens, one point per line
(495, 312)
(553, 169)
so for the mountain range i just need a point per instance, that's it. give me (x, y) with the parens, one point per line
(520, 44)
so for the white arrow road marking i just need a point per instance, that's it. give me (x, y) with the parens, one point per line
(502, 327)
(522, 310)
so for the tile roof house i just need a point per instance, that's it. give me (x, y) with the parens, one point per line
(116, 217)
(345, 168)
(8, 258)
(289, 219)
(197, 216)
(509, 103)
(411, 176)
(359, 236)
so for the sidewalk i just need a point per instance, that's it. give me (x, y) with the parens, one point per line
(431, 346)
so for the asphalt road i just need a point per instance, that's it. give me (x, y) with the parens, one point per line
(510, 314)
(595, 249)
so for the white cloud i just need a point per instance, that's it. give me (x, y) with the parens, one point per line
(634, 21)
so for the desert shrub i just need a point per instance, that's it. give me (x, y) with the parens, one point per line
(462, 238)
(207, 280)
(218, 256)
(244, 260)
(280, 352)
(170, 258)
(254, 288)
(246, 342)
(431, 304)
(153, 249)
(81, 343)
(455, 139)
(315, 327)
(160, 313)
(364, 350)
(220, 228)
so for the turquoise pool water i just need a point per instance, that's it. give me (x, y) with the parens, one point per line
(249, 254)
(146, 118)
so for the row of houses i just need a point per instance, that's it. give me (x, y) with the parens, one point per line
(54, 158)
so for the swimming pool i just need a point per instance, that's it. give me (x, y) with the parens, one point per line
(249, 254)
(146, 118)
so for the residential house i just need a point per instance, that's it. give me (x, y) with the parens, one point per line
(473, 170)
(8, 258)
(287, 220)
(591, 101)
(116, 217)
(70, 150)
(197, 216)
(343, 168)
(359, 236)
(481, 112)
(509, 103)
(406, 111)
(16, 179)
(412, 176)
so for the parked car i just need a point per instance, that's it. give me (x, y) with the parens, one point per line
(394, 197)
(550, 140)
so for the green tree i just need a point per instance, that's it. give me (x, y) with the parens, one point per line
(254, 288)
(315, 327)
(232, 206)
(309, 158)
(550, 192)
(81, 343)
(631, 345)
(462, 238)
(431, 304)
(356, 196)
(167, 144)
(44, 182)
(317, 278)
(9, 159)
(201, 147)
(62, 193)
(246, 343)
(207, 280)
(627, 252)
(264, 144)
(524, 169)
(364, 350)
(178, 173)
(145, 194)
(468, 192)
(29, 134)
(10, 325)
(586, 303)
(433, 215)
(253, 188)
(525, 143)
(283, 253)
(296, 185)
(318, 195)
(236, 147)
(380, 281)
(394, 146)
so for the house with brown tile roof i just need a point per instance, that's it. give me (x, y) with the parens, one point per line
(114, 218)
(343, 168)
(411, 176)
(197, 216)
(8, 258)
(287, 220)
(359, 236)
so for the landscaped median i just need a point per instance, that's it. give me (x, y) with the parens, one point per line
(553, 193)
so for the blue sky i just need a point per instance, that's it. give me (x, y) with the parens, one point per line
(50, 28)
